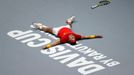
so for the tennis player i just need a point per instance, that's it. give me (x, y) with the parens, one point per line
(64, 33)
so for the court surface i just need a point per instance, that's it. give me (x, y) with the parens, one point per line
(114, 22)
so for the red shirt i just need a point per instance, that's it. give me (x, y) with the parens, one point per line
(65, 32)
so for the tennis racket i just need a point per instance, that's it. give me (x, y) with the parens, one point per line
(101, 3)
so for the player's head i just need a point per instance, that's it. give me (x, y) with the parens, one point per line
(71, 39)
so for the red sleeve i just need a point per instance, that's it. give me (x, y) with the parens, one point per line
(77, 36)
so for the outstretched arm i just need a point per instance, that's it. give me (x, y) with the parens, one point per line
(57, 42)
(91, 37)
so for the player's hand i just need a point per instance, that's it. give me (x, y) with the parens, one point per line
(44, 47)
(99, 36)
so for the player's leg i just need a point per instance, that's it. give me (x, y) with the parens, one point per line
(47, 29)
(42, 27)
(70, 21)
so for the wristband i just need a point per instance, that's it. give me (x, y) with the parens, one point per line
(48, 45)
(92, 36)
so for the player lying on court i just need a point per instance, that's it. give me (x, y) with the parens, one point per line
(64, 33)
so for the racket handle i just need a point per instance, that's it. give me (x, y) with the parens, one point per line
(94, 6)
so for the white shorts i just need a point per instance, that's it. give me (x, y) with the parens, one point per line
(56, 29)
